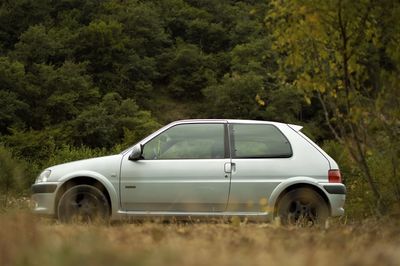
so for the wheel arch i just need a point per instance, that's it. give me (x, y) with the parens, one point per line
(86, 180)
(281, 190)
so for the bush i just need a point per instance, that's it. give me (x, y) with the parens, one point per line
(31, 145)
(68, 153)
(360, 201)
(11, 176)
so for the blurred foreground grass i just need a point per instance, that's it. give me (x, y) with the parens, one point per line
(28, 240)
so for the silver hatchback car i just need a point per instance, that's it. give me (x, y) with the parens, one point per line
(200, 168)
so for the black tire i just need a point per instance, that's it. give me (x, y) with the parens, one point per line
(302, 207)
(83, 204)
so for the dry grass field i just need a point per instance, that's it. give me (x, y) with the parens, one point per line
(29, 240)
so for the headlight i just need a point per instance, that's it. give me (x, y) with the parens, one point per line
(43, 176)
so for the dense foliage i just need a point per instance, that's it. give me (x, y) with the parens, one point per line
(86, 78)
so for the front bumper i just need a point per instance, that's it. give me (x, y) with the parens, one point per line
(43, 196)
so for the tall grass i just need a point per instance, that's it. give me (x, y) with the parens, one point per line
(28, 240)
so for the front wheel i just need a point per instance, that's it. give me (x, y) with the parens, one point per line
(83, 204)
(302, 207)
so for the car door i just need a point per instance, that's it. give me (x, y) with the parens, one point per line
(182, 170)
(261, 159)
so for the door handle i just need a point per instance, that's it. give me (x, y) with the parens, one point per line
(228, 168)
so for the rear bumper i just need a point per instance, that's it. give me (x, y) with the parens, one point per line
(336, 194)
(43, 196)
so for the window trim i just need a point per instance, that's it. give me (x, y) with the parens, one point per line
(232, 142)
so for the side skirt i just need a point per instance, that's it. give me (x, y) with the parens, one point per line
(252, 216)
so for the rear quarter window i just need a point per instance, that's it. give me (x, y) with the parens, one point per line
(259, 141)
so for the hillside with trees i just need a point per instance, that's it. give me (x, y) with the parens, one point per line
(87, 78)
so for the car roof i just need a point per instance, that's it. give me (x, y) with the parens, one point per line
(235, 121)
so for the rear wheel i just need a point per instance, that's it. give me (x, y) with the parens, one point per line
(302, 207)
(83, 204)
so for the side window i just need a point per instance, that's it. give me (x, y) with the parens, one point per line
(187, 141)
(259, 141)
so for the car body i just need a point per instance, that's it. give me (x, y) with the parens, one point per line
(197, 168)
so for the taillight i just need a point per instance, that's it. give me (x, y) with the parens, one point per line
(334, 176)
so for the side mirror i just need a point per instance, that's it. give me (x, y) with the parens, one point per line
(136, 153)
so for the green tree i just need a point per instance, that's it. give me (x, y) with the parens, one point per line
(16, 17)
(103, 45)
(57, 94)
(237, 96)
(107, 124)
(189, 71)
(45, 45)
(10, 110)
(12, 106)
(36, 46)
